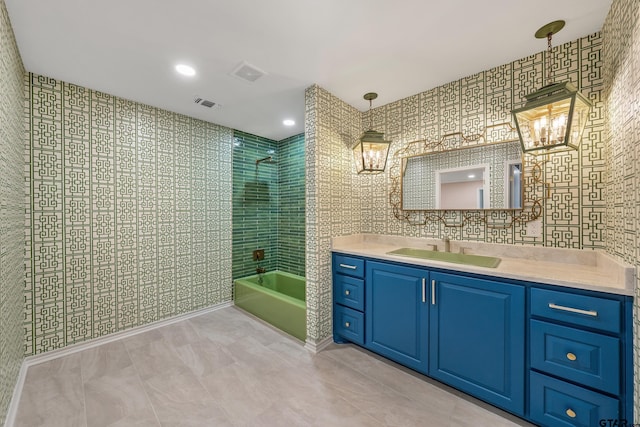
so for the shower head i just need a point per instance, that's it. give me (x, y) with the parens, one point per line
(268, 160)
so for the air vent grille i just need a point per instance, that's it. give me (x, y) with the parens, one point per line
(248, 72)
(203, 102)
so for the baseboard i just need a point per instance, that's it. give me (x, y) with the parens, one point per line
(12, 410)
(95, 342)
(316, 347)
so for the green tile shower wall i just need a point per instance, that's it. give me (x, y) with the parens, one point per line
(291, 178)
(268, 203)
(130, 214)
(621, 57)
(255, 203)
(12, 208)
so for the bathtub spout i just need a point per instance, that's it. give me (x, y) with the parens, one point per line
(260, 271)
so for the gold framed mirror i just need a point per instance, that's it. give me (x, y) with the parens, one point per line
(460, 179)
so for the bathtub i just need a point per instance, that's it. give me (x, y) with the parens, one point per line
(280, 300)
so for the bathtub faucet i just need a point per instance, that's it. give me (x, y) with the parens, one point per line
(261, 270)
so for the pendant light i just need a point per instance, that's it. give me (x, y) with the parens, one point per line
(554, 117)
(371, 151)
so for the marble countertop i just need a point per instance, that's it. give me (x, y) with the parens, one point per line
(581, 269)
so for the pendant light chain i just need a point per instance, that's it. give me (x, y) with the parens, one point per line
(549, 79)
(370, 116)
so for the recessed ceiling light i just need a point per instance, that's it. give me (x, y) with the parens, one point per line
(185, 70)
(288, 122)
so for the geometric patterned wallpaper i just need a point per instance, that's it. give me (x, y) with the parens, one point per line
(333, 204)
(621, 34)
(268, 204)
(572, 217)
(12, 208)
(130, 214)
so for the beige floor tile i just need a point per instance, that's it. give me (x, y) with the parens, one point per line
(179, 399)
(180, 333)
(53, 395)
(142, 339)
(106, 359)
(204, 357)
(156, 357)
(118, 398)
(472, 412)
(226, 368)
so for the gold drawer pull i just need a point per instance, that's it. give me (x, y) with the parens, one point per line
(571, 356)
(347, 324)
(570, 413)
(347, 292)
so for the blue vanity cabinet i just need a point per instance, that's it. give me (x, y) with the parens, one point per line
(477, 338)
(580, 353)
(348, 299)
(396, 324)
(553, 355)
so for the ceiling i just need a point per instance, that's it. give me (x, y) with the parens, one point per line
(129, 48)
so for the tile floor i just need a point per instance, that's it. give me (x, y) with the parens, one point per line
(226, 368)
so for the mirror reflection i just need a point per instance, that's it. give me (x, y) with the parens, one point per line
(481, 177)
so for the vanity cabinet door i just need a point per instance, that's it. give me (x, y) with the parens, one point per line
(477, 338)
(397, 313)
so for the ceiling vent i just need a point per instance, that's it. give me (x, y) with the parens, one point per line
(204, 102)
(247, 72)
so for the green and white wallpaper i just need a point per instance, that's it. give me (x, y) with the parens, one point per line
(130, 214)
(12, 208)
(621, 74)
(574, 215)
(333, 206)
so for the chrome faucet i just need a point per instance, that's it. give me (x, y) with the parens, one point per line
(447, 244)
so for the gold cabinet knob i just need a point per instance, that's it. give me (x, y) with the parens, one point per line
(571, 356)
(347, 292)
(347, 324)
(570, 413)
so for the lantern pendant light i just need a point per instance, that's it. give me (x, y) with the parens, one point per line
(371, 151)
(554, 117)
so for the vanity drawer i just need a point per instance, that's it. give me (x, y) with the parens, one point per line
(349, 324)
(584, 357)
(348, 265)
(556, 403)
(349, 291)
(581, 310)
